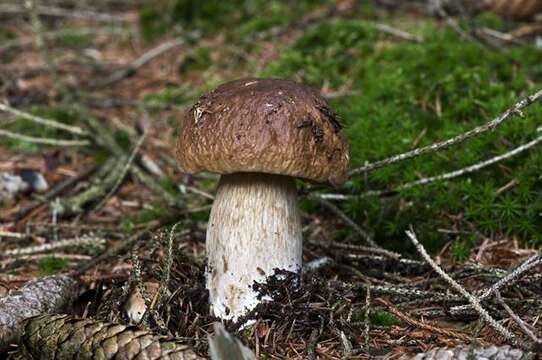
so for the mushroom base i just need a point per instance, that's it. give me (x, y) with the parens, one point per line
(254, 228)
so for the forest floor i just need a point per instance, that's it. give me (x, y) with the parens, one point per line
(91, 99)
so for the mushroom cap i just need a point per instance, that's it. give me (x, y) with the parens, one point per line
(266, 126)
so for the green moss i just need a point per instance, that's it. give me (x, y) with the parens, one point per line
(51, 265)
(404, 93)
(383, 318)
(74, 38)
(148, 214)
(152, 22)
(243, 17)
(197, 61)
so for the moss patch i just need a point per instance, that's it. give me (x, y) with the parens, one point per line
(404, 95)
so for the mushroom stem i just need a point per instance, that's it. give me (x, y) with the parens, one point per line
(254, 228)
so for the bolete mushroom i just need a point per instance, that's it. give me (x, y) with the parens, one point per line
(259, 135)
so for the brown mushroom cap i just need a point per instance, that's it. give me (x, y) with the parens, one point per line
(267, 126)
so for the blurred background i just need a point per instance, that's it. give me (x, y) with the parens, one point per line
(92, 95)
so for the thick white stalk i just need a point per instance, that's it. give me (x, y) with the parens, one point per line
(254, 228)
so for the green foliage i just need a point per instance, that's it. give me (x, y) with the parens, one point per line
(148, 214)
(383, 318)
(407, 94)
(459, 251)
(74, 38)
(197, 61)
(51, 265)
(212, 16)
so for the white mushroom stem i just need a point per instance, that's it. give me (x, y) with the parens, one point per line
(254, 228)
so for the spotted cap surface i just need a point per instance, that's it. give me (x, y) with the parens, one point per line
(267, 126)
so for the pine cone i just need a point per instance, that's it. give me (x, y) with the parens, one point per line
(46, 295)
(468, 352)
(515, 9)
(63, 337)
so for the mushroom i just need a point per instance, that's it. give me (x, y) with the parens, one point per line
(259, 135)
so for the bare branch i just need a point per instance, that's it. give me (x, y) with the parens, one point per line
(140, 62)
(472, 299)
(509, 279)
(517, 319)
(78, 241)
(53, 11)
(43, 141)
(364, 234)
(124, 170)
(39, 120)
(401, 34)
(514, 110)
(445, 176)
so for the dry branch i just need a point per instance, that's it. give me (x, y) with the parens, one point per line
(514, 110)
(364, 234)
(506, 280)
(140, 62)
(446, 176)
(517, 319)
(422, 324)
(78, 241)
(42, 141)
(39, 120)
(52, 11)
(455, 285)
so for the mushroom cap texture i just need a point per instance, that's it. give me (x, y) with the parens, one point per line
(266, 126)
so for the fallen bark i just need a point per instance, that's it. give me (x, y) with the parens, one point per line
(47, 295)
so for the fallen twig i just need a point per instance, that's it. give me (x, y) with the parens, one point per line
(446, 176)
(51, 11)
(124, 170)
(139, 62)
(508, 279)
(514, 110)
(78, 241)
(365, 235)
(517, 319)
(472, 299)
(42, 141)
(39, 120)
(422, 324)
(401, 34)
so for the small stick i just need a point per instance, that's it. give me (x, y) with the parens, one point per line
(347, 220)
(422, 324)
(445, 176)
(401, 34)
(366, 317)
(514, 110)
(509, 279)
(52, 11)
(124, 170)
(78, 241)
(39, 120)
(42, 141)
(517, 319)
(140, 62)
(14, 235)
(472, 299)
